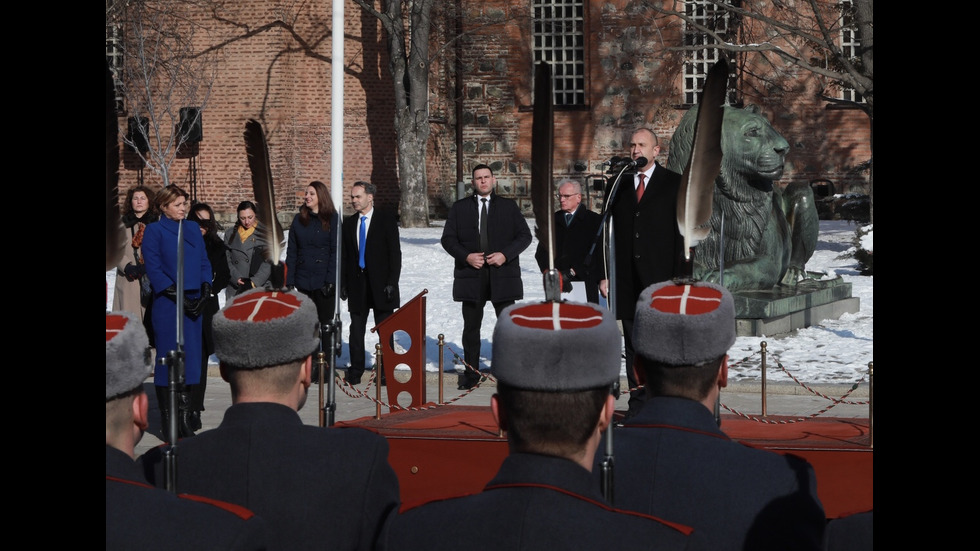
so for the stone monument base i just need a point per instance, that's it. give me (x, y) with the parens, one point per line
(785, 309)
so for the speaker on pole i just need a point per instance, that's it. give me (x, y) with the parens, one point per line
(138, 130)
(190, 124)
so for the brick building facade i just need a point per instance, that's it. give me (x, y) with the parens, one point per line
(480, 103)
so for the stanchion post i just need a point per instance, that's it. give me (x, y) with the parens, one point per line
(321, 363)
(377, 380)
(871, 404)
(764, 345)
(442, 345)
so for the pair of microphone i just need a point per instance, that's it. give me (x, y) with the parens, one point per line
(627, 162)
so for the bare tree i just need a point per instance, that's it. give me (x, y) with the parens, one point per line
(805, 34)
(160, 72)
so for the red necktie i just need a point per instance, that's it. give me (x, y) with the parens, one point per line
(639, 188)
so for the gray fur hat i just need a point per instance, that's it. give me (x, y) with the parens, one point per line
(262, 328)
(556, 347)
(127, 353)
(684, 324)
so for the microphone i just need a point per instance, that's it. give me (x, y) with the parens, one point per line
(639, 161)
(616, 161)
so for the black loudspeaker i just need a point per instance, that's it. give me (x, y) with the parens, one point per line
(138, 136)
(190, 124)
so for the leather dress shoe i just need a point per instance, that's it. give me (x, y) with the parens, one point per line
(351, 380)
(466, 384)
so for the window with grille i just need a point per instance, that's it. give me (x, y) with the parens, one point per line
(850, 41)
(559, 40)
(702, 15)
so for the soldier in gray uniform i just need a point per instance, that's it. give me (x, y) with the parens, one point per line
(555, 365)
(137, 515)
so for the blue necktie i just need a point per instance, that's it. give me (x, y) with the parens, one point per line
(568, 218)
(361, 237)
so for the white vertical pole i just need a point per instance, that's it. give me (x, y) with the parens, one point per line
(337, 108)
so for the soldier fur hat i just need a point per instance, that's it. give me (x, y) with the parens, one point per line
(262, 328)
(679, 324)
(127, 354)
(556, 347)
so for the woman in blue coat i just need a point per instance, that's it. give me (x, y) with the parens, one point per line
(160, 258)
(311, 254)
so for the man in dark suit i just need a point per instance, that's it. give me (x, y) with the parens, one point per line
(486, 250)
(369, 273)
(735, 497)
(316, 486)
(648, 246)
(575, 231)
(555, 364)
(137, 515)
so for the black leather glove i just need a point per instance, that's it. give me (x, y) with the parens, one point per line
(343, 293)
(194, 307)
(171, 293)
(566, 282)
(133, 272)
(389, 292)
(327, 290)
(290, 288)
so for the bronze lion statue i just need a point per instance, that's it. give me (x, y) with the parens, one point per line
(769, 232)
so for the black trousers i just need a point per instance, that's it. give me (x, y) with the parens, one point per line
(637, 397)
(472, 321)
(358, 328)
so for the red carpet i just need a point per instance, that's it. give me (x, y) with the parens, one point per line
(454, 450)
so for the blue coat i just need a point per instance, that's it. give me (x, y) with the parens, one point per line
(533, 502)
(672, 460)
(318, 488)
(311, 254)
(160, 258)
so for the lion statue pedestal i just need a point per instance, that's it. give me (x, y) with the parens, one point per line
(761, 235)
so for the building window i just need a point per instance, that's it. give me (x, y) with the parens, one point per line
(559, 40)
(702, 15)
(850, 42)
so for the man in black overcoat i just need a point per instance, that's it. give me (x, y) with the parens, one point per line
(648, 245)
(368, 281)
(486, 268)
(578, 248)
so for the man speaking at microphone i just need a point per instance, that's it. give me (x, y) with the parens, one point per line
(648, 245)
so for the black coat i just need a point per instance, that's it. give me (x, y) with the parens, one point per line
(572, 245)
(648, 246)
(311, 253)
(139, 516)
(533, 502)
(508, 233)
(672, 460)
(316, 487)
(382, 263)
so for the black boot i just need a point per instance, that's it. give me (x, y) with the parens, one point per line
(197, 403)
(184, 415)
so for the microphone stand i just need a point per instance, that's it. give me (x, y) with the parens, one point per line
(607, 465)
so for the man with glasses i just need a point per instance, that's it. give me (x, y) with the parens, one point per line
(578, 252)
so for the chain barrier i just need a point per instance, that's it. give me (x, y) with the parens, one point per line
(353, 392)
